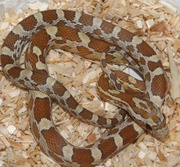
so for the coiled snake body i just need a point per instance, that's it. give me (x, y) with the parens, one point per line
(96, 39)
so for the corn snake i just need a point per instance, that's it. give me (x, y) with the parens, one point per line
(88, 37)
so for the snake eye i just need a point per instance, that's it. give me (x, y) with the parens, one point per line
(148, 127)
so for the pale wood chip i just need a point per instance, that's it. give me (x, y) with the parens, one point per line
(91, 138)
(174, 161)
(38, 6)
(161, 156)
(159, 27)
(11, 129)
(175, 76)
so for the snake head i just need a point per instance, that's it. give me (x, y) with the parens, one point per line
(158, 127)
(150, 118)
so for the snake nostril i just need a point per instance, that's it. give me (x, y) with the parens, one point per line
(148, 127)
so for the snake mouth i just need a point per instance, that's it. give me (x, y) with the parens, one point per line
(161, 134)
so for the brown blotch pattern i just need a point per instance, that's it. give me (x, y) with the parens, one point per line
(97, 32)
(42, 109)
(148, 76)
(10, 40)
(50, 16)
(40, 36)
(103, 82)
(6, 60)
(39, 78)
(59, 89)
(159, 85)
(98, 45)
(82, 156)
(107, 27)
(86, 114)
(125, 35)
(31, 59)
(42, 58)
(15, 72)
(128, 134)
(114, 122)
(86, 20)
(29, 23)
(103, 62)
(113, 131)
(101, 121)
(154, 65)
(106, 151)
(67, 33)
(69, 15)
(142, 61)
(54, 140)
(130, 48)
(83, 51)
(145, 49)
(72, 102)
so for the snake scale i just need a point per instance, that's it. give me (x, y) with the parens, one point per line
(91, 38)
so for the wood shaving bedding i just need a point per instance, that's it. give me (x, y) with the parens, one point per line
(159, 25)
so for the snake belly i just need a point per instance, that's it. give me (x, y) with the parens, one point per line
(89, 37)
